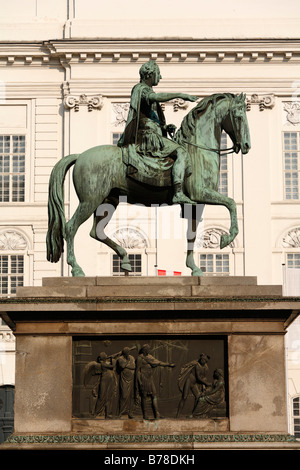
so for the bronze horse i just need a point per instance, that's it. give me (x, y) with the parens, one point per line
(99, 178)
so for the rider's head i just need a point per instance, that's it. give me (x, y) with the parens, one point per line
(150, 69)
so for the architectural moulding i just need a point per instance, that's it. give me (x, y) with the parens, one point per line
(126, 439)
(11, 240)
(26, 90)
(74, 102)
(7, 336)
(177, 104)
(174, 50)
(66, 52)
(210, 239)
(292, 239)
(130, 238)
(262, 101)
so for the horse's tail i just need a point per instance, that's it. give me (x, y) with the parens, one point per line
(56, 212)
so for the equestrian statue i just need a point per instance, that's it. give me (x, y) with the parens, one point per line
(152, 164)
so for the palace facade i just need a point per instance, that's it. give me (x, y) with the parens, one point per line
(66, 73)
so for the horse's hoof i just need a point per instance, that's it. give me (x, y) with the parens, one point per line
(126, 267)
(77, 272)
(197, 272)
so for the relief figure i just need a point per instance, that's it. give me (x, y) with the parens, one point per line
(193, 378)
(212, 397)
(145, 365)
(105, 388)
(126, 370)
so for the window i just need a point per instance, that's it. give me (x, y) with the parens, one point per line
(293, 260)
(291, 149)
(12, 168)
(296, 417)
(215, 263)
(136, 264)
(115, 137)
(11, 273)
(223, 179)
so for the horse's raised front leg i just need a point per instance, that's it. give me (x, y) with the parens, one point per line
(102, 217)
(215, 198)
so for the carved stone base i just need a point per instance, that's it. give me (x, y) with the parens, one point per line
(64, 324)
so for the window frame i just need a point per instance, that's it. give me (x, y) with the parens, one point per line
(25, 251)
(11, 174)
(115, 257)
(292, 252)
(214, 254)
(27, 131)
(285, 171)
(11, 274)
(295, 417)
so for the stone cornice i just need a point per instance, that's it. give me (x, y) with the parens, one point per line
(68, 51)
(176, 50)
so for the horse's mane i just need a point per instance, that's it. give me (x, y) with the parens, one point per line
(188, 126)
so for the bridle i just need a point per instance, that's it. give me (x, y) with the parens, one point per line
(219, 151)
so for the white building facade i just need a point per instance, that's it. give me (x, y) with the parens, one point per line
(66, 73)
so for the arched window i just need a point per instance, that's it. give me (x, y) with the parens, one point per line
(290, 243)
(135, 244)
(212, 260)
(13, 247)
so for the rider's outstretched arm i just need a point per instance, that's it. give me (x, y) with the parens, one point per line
(163, 97)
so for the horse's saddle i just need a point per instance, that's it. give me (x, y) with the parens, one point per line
(155, 171)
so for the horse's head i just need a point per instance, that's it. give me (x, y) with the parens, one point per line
(236, 124)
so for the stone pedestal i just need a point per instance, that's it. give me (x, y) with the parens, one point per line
(65, 314)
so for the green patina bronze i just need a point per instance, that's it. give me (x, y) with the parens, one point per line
(148, 167)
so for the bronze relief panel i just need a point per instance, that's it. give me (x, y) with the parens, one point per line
(150, 378)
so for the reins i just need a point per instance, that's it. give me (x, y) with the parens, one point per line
(219, 151)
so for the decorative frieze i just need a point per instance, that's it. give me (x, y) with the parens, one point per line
(210, 239)
(130, 238)
(11, 240)
(292, 239)
(292, 109)
(121, 113)
(126, 438)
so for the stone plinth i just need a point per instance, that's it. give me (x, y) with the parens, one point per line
(50, 321)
